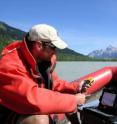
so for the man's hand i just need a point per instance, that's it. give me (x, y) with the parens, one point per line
(80, 101)
(80, 98)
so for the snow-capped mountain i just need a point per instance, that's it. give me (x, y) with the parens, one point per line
(109, 52)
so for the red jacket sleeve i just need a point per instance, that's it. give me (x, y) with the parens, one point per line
(21, 94)
(64, 86)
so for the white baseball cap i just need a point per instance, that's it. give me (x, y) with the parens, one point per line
(46, 33)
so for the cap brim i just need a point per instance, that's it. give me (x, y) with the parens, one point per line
(59, 43)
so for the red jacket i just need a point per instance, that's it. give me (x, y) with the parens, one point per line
(19, 90)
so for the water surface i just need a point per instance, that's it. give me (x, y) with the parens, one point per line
(76, 69)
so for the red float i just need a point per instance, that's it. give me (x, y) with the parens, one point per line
(101, 78)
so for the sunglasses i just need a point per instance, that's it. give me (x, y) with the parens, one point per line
(49, 45)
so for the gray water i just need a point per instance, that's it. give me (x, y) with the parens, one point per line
(73, 70)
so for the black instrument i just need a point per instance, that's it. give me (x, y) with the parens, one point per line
(106, 112)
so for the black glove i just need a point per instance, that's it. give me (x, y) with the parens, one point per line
(86, 84)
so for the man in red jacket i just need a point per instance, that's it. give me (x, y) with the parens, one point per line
(30, 90)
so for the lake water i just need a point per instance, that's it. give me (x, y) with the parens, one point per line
(73, 70)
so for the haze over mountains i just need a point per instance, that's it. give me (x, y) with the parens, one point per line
(9, 34)
(110, 52)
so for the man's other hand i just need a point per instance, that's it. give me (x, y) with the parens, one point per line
(81, 98)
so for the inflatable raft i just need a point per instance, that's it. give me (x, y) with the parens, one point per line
(106, 76)
(102, 77)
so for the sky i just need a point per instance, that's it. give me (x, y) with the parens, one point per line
(85, 25)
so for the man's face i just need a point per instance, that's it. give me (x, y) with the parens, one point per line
(43, 51)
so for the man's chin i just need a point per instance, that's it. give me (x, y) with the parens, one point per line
(46, 59)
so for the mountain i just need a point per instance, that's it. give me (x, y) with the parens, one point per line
(109, 53)
(9, 34)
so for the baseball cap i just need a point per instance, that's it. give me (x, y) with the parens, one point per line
(46, 33)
